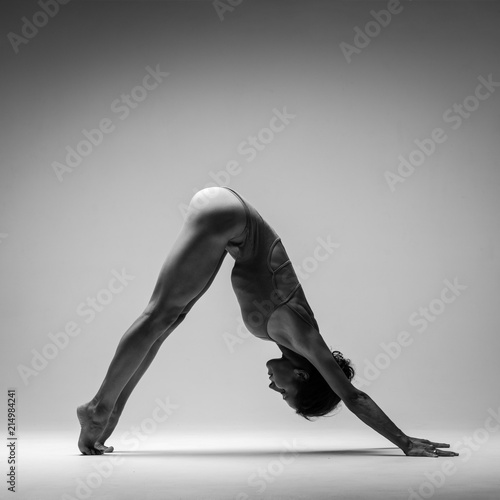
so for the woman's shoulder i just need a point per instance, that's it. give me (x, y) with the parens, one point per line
(289, 327)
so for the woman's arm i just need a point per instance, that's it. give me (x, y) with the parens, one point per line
(311, 345)
(356, 401)
(365, 408)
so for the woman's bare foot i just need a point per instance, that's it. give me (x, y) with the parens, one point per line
(103, 448)
(93, 424)
(110, 427)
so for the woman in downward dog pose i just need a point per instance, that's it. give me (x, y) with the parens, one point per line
(311, 379)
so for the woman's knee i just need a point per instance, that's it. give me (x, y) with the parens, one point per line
(217, 210)
(160, 319)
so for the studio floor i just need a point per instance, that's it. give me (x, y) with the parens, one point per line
(236, 467)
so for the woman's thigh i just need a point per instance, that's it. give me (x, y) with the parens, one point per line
(215, 216)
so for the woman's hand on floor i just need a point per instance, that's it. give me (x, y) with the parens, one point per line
(424, 448)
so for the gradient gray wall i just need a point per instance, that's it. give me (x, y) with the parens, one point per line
(323, 176)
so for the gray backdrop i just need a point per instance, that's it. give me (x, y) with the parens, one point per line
(380, 172)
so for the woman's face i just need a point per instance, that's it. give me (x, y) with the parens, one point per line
(284, 378)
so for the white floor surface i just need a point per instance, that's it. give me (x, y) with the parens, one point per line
(236, 467)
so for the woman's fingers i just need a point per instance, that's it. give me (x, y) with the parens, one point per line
(441, 453)
(426, 448)
(432, 443)
(429, 453)
(438, 453)
(440, 445)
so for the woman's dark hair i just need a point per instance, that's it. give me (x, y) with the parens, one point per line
(315, 398)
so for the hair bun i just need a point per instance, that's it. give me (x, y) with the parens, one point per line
(344, 363)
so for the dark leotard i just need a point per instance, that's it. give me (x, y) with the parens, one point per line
(263, 278)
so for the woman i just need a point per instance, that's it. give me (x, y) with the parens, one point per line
(311, 379)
